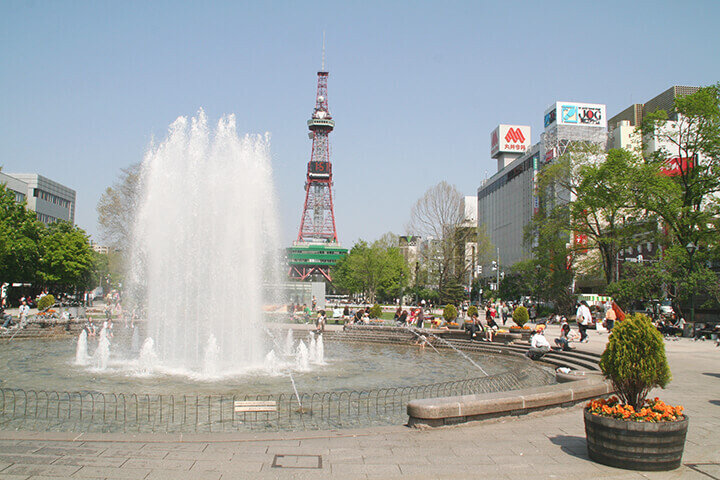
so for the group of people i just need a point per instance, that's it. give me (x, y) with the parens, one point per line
(486, 331)
(414, 317)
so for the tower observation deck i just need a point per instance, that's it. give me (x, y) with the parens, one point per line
(316, 249)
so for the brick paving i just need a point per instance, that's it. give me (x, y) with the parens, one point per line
(541, 445)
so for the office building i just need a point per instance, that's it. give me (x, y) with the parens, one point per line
(508, 201)
(50, 200)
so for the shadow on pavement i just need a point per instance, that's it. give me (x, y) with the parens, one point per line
(572, 445)
(716, 375)
(715, 402)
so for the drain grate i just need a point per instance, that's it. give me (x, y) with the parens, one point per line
(710, 470)
(299, 461)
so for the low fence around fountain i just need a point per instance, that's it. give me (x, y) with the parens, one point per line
(111, 412)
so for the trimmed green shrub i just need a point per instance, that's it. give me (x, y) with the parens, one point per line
(473, 310)
(634, 359)
(450, 313)
(520, 316)
(375, 311)
(45, 302)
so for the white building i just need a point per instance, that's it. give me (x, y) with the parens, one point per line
(508, 200)
(50, 200)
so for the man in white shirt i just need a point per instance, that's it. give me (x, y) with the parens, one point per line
(23, 312)
(583, 317)
(539, 345)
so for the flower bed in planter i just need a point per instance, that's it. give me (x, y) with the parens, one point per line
(651, 439)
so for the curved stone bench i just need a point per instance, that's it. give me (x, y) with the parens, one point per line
(436, 412)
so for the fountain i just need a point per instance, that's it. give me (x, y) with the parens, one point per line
(205, 240)
(205, 243)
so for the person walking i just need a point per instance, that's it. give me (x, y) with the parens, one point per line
(583, 318)
(610, 318)
(420, 318)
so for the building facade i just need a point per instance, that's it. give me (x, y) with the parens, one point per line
(508, 201)
(50, 200)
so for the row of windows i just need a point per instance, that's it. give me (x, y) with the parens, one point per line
(49, 197)
(19, 197)
(46, 219)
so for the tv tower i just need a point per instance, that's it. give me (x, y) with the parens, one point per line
(316, 248)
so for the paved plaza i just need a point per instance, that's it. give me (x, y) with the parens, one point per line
(542, 445)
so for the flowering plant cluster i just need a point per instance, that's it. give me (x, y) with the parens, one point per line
(653, 410)
(524, 327)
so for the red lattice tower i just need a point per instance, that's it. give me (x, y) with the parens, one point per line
(318, 218)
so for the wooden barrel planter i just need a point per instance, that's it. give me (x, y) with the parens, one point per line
(635, 445)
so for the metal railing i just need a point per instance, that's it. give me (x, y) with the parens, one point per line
(111, 412)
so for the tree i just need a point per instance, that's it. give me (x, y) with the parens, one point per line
(66, 256)
(550, 271)
(599, 201)
(117, 208)
(680, 181)
(439, 218)
(376, 270)
(19, 236)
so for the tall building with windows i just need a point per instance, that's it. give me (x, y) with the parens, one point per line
(508, 201)
(50, 200)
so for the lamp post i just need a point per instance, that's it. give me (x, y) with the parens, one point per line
(691, 249)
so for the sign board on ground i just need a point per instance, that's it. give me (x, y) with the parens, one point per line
(242, 406)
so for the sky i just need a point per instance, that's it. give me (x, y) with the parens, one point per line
(415, 87)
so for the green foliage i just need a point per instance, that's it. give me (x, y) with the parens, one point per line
(521, 316)
(634, 359)
(19, 236)
(376, 270)
(45, 302)
(472, 310)
(375, 311)
(67, 258)
(450, 313)
(453, 292)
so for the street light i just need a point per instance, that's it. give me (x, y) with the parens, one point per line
(691, 249)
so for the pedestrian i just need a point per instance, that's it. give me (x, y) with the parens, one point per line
(583, 318)
(321, 319)
(610, 317)
(420, 318)
(23, 312)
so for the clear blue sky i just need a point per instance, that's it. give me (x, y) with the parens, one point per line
(415, 87)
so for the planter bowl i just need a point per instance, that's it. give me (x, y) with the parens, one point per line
(635, 445)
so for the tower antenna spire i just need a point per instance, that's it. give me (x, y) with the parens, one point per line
(323, 52)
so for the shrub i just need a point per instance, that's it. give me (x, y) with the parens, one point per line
(45, 302)
(450, 313)
(634, 359)
(375, 311)
(520, 316)
(473, 310)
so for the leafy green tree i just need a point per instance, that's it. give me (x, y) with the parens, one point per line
(550, 271)
(19, 237)
(684, 194)
(66, 256)
(373, 270)
(600, 201)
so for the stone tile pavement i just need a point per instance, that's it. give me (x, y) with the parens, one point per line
(542, 445)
